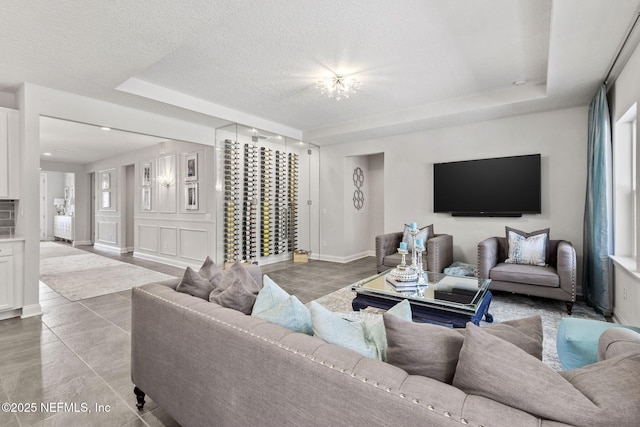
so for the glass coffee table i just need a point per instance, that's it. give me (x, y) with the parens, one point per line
(445, 299)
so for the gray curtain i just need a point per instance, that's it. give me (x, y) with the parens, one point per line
(597, 234)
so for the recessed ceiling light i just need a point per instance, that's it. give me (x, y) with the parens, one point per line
(105, 128)
(520, 82)
(46, 154)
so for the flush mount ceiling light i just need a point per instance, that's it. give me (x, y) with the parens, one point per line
(338, 86)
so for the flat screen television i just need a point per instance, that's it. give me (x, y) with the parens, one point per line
(504, 186)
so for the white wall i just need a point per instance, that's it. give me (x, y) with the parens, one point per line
(626, 293)
(559, 136)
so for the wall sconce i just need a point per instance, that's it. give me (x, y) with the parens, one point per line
(166, 180)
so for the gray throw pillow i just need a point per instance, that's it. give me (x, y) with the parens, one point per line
(200, 284)
(432, 350)
(209, 269)
(194, 284)
(605, 393)
(235, 289)
(527, 248)
(422, 348)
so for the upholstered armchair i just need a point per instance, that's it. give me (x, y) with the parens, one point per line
(439, 253)
(556, 279)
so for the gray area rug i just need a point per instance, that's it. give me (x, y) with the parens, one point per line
(504, 306)
(76, 274)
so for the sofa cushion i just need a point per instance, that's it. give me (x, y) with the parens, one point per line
(367, 337)
(528, 274)
(424, 233)
(432, 350)
(601, 394)
(275, 305)
(527, 248)
(236, 289)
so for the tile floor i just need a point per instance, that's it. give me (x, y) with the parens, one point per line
(70, 366)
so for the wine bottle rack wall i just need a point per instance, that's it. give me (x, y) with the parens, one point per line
(231, 200)
(264, 186)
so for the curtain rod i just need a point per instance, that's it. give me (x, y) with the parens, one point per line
(624, 43)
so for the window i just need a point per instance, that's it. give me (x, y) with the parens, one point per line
(624, 181)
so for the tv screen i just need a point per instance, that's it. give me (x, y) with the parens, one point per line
(505, 186)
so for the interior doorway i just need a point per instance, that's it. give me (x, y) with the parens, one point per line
(364, 203)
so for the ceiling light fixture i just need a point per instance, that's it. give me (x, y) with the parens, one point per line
(338, 86)
(105, 128)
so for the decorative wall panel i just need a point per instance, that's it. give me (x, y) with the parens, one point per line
(148, 238)
(168, 241)
(107, 232)
(193, 244)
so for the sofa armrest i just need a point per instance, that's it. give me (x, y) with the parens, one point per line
(387, 244)
(487, 256)
(439, 252)
(566, 268)
(616, 341)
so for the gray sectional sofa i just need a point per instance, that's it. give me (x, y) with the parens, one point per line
(208, 365)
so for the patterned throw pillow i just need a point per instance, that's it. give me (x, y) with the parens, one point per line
(424, 233)
(527, 248)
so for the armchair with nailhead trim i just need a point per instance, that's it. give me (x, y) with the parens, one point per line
(438, 256)
(556, 280)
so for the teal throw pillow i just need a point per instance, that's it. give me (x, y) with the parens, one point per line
(275, 305)
(367, 337)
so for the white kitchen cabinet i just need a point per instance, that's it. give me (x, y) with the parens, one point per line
(63, 227)
(11, 260)
(9, 156)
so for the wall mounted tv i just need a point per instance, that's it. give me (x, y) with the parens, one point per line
(504, 186)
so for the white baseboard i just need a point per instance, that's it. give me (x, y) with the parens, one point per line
(618, 319)
(31, 310)
(107, 248)
(81, 243)
(169, 261)
(345, 259)
(9, 314)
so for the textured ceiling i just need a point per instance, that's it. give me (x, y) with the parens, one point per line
(421, 63)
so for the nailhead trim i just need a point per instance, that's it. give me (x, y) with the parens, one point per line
(294, 351)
